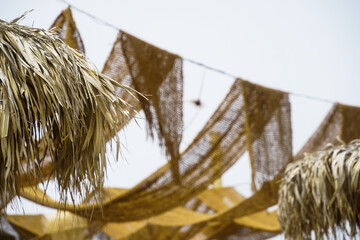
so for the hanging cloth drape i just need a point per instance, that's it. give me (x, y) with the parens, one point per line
(180, 221)
(159, 192)
(341, 122)
(327, 132)
(157, 75)
(269, 132)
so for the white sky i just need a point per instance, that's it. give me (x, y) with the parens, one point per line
(306, 47)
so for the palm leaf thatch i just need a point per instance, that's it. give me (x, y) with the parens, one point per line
(54, 106)
(321, 193)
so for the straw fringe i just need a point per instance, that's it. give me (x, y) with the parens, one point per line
(53, 103)
(321, 193)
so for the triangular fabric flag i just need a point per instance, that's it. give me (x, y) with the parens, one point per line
(158, 75)
(340, 124)
(268, 126)
(68, 32)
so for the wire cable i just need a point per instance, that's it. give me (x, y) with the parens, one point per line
(101, 21)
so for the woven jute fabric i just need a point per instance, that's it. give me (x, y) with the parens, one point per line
(191, 222)
(268, 122)
(160, 192)
(204, 148)
(341, 123)
(155, 232)
(35, 224)
(157, 75)
(233, 232)
(67, 30)
(180, 223)
(350, 117)
(331, 127)
(319, 195)
(225, 200)
(250, 117)
(141, 229)
(221, 199)
(321, 188)
(64, 226)
(116, 68)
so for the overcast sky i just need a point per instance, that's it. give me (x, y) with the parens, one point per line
(303, 47)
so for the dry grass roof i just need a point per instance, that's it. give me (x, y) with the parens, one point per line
(54, 106)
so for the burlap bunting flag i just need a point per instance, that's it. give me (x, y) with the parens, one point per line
(65, 25)
(268, 125)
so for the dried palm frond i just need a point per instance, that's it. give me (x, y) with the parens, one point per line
(320, 194)
(53, 105)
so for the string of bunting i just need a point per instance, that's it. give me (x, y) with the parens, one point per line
(220, 71)
(260, 131)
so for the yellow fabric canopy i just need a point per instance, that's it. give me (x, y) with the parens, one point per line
(177, 217)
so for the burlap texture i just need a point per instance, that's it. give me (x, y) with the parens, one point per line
(217, 158)
(150, 198)
(269, 132)
(65, 25)
(148, 229)
(233, 232)
(35, 224)
(249, 114)
(160, 192)
(333, 125)
(221, 199)
(38, 227)
(116, 67)
(350, 116)
(267, 195)
(341, 123)
(190, 223)
(320, 188)
(157, 75)
(183, 221)
(227, 123)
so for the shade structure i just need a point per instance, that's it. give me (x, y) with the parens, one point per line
(54, 107)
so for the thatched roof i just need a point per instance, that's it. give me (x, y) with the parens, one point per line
(55, 106)
(321, 193)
